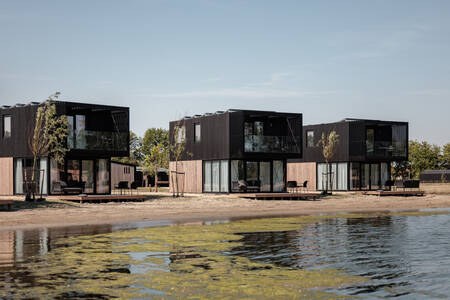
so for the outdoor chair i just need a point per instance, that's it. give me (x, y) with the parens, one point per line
(121, 186)
(292, 185)
(304, 187)
(134, 186)
(389, 184)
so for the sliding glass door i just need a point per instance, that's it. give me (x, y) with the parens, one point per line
(87, 175)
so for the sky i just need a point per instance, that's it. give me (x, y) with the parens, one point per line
(329, 60)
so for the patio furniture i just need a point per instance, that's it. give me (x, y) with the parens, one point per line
(407, 184)
(121, 186)
(72, 187)
(134, 186)
(252, 186)
(292, 185)
(389, 184)
(304, 186)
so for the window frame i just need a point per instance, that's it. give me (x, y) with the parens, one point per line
(307, 139)
(197, 133)
(7, 117)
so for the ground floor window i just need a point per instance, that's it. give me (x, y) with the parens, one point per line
(368, 176)
(91, 175)
(215, 176)
(23, 173)
(257, 176)
(337, 176)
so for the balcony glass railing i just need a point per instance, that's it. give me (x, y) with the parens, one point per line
(386, 149)
(272, 144)
(98, 140)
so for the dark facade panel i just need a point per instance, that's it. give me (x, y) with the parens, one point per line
(103, 124)
(314, 153)
(214, 137)
(222, 135)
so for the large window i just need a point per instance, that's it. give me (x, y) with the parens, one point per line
(399, 140)
(215, 176)
(370, 140)
(23, 172)
(337, 176)
(197, 133)
(102, 176)
(355, 176)
(181, 134)
(310, 138)
(6, 126)
(278, 176)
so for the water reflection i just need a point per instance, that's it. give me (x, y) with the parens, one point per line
(401, 255)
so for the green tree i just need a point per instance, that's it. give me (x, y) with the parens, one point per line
(446, 156)
(155, 150)
(423, 156)
(136, 155)
(328, 143)
(153, 137)
(158, 158)
(48, 136)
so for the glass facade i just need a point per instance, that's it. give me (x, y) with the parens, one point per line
(387, 141)
(87, 175)
(79, 137)
(23, 172)
(278, 176)
(215, 176)
(264, 176)
(6, 126)
(260, 137)
(103, 178)
(366, 176)
(337, 176)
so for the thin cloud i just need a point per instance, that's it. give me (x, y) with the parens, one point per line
(242, 93)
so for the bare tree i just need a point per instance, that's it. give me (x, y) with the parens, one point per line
(47, 137)
(328, 144)
(177, 149)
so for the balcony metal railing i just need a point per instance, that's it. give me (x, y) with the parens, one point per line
(272, 144)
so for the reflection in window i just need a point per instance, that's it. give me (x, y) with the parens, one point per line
(197, 133)
(6, 126)
(370, 140)
(181, 134)
(310, 138)
(399, 140)
(102, 176)
(278, 176)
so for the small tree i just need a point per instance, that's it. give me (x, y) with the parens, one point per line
(47, 137)
(176, 150)
(158, 158)
(328, 144)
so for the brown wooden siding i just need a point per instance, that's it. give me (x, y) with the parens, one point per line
(6, 248)
(301, 172)
(192, 179)
(6, 176)
(118, 174)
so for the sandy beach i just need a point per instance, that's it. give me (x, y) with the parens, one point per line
(162, 207)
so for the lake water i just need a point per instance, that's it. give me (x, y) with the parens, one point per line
(403, 255)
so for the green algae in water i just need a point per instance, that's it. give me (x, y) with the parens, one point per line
(182, 261)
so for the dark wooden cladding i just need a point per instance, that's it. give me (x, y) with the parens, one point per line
(222, 134)
(352, 141)
(98, 118)
(22, 124)
(214, 142)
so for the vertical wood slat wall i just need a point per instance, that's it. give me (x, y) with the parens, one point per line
(193, 178)
(6, 176)
(301, 172)
(118, 174)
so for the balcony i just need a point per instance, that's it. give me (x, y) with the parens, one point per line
(98, 140)
(386, 149)
(271, 144)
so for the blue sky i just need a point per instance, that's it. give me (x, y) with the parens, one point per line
(166, 59)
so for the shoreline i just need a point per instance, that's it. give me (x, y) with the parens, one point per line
(197, 208)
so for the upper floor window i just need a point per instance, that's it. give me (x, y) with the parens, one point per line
(6, 126)
(180, 134)
(370, 140)
(310, 138)
(197, 133)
